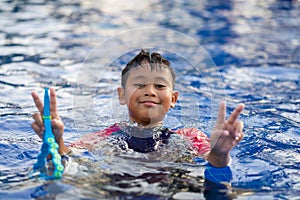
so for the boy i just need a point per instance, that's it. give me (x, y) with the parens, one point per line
(148, 91)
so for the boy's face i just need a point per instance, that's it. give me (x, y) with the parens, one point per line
(148, 94)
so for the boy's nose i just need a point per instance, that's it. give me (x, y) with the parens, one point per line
(150, 90)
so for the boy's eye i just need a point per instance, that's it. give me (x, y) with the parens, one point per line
(159, 86)
(139, 85)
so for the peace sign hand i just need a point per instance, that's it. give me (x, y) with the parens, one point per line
(57, 123)
(225, 136)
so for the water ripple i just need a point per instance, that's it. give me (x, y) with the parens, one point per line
(254, 44)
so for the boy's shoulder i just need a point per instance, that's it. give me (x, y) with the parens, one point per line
(200, 141)
(93, 138)
(189, 132)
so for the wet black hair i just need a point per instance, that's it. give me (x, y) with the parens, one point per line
(155, 60)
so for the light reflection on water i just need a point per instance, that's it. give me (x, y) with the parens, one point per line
(254, 44)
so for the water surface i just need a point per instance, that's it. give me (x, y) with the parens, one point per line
(255, 46)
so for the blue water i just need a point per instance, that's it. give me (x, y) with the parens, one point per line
(255, 46)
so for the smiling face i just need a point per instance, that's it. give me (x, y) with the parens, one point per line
(148, 94)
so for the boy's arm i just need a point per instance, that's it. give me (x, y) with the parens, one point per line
(225, 136)
(57, 123)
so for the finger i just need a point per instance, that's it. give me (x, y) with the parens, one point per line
(38, 119)
(38, 102)
(235, 114)
(53, 104)
(37, 130)
(238, 138)
(58, 123)
(238, 135)
(239, 125)
(222, 114)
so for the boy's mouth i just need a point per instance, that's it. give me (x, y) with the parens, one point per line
(148, 103)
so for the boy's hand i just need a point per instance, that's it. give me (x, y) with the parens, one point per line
(226, 135)
(57, 123)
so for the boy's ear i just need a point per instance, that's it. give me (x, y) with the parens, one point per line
(174, 99)
(121, 94)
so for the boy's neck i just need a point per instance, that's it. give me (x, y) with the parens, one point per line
(150, 125)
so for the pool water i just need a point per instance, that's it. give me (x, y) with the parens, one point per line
(80, 46)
